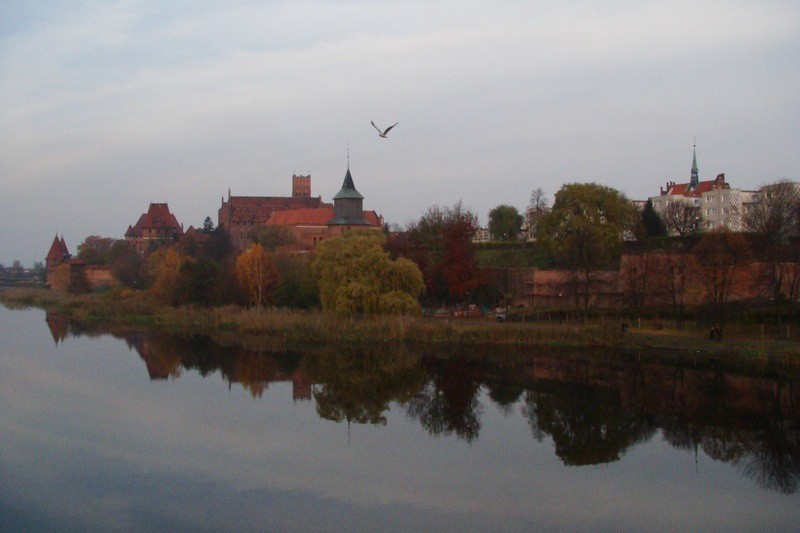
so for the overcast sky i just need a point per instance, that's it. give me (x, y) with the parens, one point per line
(108, 106)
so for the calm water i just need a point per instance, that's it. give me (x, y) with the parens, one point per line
(137, 432)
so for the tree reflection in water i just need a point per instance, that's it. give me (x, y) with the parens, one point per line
(448, 403)
(593, 407)
(357, 383)
(587, 424)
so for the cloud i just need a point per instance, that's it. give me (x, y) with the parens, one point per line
(176, 102)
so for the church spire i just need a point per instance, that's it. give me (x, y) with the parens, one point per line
(348, 202)
(695, 176)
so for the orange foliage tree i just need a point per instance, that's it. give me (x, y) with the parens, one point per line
(257, 274)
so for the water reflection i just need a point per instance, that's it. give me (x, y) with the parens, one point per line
(594, 407)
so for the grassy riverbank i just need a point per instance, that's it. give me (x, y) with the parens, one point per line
(317, 327)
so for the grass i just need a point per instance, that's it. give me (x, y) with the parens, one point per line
(303, 326)
(123, 308)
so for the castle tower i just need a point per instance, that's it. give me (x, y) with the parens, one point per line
(57, 254)
(348, 205)
(301, 186)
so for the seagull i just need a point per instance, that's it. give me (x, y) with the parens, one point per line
(384, 132)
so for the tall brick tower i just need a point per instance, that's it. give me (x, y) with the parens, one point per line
(301, 186)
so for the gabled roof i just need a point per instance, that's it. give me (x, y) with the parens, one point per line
(157, 217)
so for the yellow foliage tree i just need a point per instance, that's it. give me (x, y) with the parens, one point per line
(257, 274)
(163, 266)
(356, 276)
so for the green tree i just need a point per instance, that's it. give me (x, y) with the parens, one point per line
(94, 248)
(296, 286)
(272, 237)
(653, 225)
(129, 268)
(208, 226)
(357, 277)
(584, 231)
(505, 222)
(197, 281)
(78, 281)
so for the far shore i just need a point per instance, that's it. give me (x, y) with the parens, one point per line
(295, 326)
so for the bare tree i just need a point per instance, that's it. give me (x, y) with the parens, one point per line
(637, 274)
(721, 253)
(681, 217)
(536, 206)
(774, 221)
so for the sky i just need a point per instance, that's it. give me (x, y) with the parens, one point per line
(106, 106)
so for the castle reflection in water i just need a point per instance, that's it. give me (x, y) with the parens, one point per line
(593, 405)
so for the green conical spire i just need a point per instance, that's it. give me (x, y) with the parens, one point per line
(695, 175)
(348, 189)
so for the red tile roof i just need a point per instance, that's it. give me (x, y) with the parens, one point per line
(682, 189)
(58, 250)
(301, 217)
(313, 217)
(157, 217)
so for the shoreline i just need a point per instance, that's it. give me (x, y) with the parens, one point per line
(297, 326)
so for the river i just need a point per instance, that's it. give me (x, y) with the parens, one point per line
(133, 430)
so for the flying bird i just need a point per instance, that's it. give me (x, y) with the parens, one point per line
(384, 132)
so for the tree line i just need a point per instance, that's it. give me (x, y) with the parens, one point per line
(433, 261)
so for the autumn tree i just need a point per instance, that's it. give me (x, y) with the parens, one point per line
(440, 243)
(775, 224)
(163, 268)
(356, 276)
(583, 231)
(681, 217)
(505, 222)
(257, 274)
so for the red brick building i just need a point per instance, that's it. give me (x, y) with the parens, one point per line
(158, 227)
(310, 219)
(59, 279)
(240, 214)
